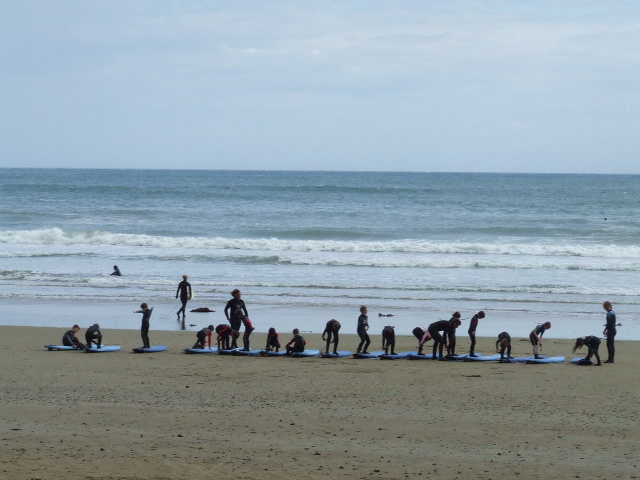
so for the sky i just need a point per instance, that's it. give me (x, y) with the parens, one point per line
(396, 85)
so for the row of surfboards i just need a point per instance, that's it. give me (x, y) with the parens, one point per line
(380, 354)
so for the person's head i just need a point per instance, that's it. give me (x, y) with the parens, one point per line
(547, 325)
(75, 328)
(185, 276)
(211, 327)
(96, 325)
(456, 323)
(503, 343)
(235, 293)
(480, 314)
(336, 326)
(144, 306)
(272, 331)
(579, 344)
(456, 315)
(363, 309)
(115, 267)
(607, 306)
(296, 331)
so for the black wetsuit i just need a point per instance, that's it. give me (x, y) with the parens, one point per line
(230, 310)
(144, 327)
(507, 337)
(202, 337)
(389, 340)
(296, 344)
(434, 329)
(611, 335)
(330, 332)
(273, 341)
(69, 339)
(93, 335)
(451, 350)
(593, 344)
(363, 325)
(472, 333)
(184, 290)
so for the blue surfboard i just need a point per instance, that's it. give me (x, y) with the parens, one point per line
(525, 359)
(103, 349)
(546, 360)
(155, 348)
(62, 348)
(423, 356)
(201, 350)
(482, 358)
(242, 352)
(374, 354)
(228, 351)
(306, 353)
(272, 353)
(397, 356)
(577, 361)
(340, 354)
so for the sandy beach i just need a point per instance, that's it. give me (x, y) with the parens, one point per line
(170, 415)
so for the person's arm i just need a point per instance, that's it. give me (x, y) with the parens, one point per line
(178, 291)
(190, 291)
(228, 307)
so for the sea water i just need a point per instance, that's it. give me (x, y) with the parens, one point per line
(305, 247)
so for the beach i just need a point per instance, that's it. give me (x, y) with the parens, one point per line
(170, 415)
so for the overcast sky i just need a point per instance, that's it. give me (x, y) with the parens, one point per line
(431, 85)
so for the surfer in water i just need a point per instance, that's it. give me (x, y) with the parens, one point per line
(332, 329)
(184, 291)
(69, 339)
(144, 327)
(234, 305)
(592, 343)
(363, 327)
(472, 332)
(536, 338)
(116, 271)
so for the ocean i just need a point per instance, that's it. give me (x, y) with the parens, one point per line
(305, 247)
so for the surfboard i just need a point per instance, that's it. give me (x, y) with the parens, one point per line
(423, 356)
(546, 360)
(201, 350)
(525, 359)
(483, 358)
(242, 352)
(62, 348)
(397, 356)
(155, 348)
(374, 354)
(577, 361)
(306, 353)
(272, 353)
(229, 351)
(103, 349)
(340, 354)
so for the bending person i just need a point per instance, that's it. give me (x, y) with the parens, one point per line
(592, 343)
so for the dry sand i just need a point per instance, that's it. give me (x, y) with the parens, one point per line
(169, 415)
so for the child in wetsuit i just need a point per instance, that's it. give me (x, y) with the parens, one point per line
(144, 327)
(389, 340)
(69, 339)
(273, 340)
(473, 325)
(202, 336)
(296, 344)
(504, 343)
(224, 335)
(363, 326)
(536, 337)
(423, 337)
(93, 335)
(331, 330)
(248, 328)
(592, 343)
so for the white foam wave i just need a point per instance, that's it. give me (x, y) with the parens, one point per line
(56, 236)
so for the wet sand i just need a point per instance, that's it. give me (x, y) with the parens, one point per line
(170, 415)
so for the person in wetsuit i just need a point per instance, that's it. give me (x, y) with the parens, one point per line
(440, 340)
(116, 271)
(69, 339)
(362, 328)
(224, 334)
(592, 343)
(332, 329)
(296, 344)
(144, 327)
(473, 325)
(184, 291)
(536, 337)
(451, 343)
(273, 340)
(93, 335)
(610, 331)
(389, 339)
(504, 343)
(248, 328)
(203, 335)
(231, 309)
